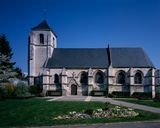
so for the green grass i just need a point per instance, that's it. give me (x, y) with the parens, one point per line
(142, 102)
(38, 112)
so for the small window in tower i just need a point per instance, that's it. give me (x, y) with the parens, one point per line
(53, 42)
(41, 37)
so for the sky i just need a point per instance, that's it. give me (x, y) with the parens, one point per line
(84, 24)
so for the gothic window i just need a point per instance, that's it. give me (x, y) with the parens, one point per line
(121, 77)
(99, 78)
(138, 78)
(41, 38)
(56, 79)
(84, 78)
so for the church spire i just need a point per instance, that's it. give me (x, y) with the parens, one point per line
(42, 26)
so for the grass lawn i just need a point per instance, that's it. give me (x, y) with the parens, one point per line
(38, 112)
(142, 102)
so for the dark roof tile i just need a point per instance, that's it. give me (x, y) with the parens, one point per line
(130, 57)
(79, 58)
(42, 26)
(98, 58)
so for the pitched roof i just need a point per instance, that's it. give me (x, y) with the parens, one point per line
(98, 58)
(79, 58)
(130, 57)
(42, 26)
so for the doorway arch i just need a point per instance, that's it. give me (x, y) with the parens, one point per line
(73, 89)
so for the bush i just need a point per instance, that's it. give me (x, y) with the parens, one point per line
(9, 90)
(22, 90)
(110, 95)
(107, 106)
(119, 94)
(33, 90)
(2, 93)
(89, 112)
(157, 97)
(142, 95)
(54, 93)
(98, 93)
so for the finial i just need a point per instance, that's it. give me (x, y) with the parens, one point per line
(45, 14)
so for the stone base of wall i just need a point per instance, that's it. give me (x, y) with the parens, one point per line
(130, 88)
(119, 88)
(140, 88)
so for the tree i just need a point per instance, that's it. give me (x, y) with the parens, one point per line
(5, 48)
(6, 71)
(6, 65)
(20, 75)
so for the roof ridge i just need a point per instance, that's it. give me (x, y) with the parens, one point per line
(80, 48)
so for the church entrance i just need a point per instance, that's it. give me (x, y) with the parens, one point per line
(73, 89)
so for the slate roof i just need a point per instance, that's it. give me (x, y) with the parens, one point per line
(43, 26)
(79, 58)
(130, 57)
(98, 58)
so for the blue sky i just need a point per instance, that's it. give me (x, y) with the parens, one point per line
(84, 23)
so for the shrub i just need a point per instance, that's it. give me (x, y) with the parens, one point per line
(98, 93)
(89, 111)
(110, 95)
(142, 95)
(107, 106)
(2, 93)
(157, 97)
(34, 90)
(119, 94)
(9, 90)
(22, 90)
(54, 93)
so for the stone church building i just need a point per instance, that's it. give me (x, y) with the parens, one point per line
(79, 71)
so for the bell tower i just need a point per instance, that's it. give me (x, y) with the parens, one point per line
(41, 43)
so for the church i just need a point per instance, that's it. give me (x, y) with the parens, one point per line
(84, 71)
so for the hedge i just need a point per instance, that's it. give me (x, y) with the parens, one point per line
(142, 95)
(54, 93)
(120, 94)
(98, 93)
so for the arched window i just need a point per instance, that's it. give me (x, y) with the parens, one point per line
(121, 77)
(56, 79)
(99, 78)
(84, 78)
(41, 38)
(138, 78)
